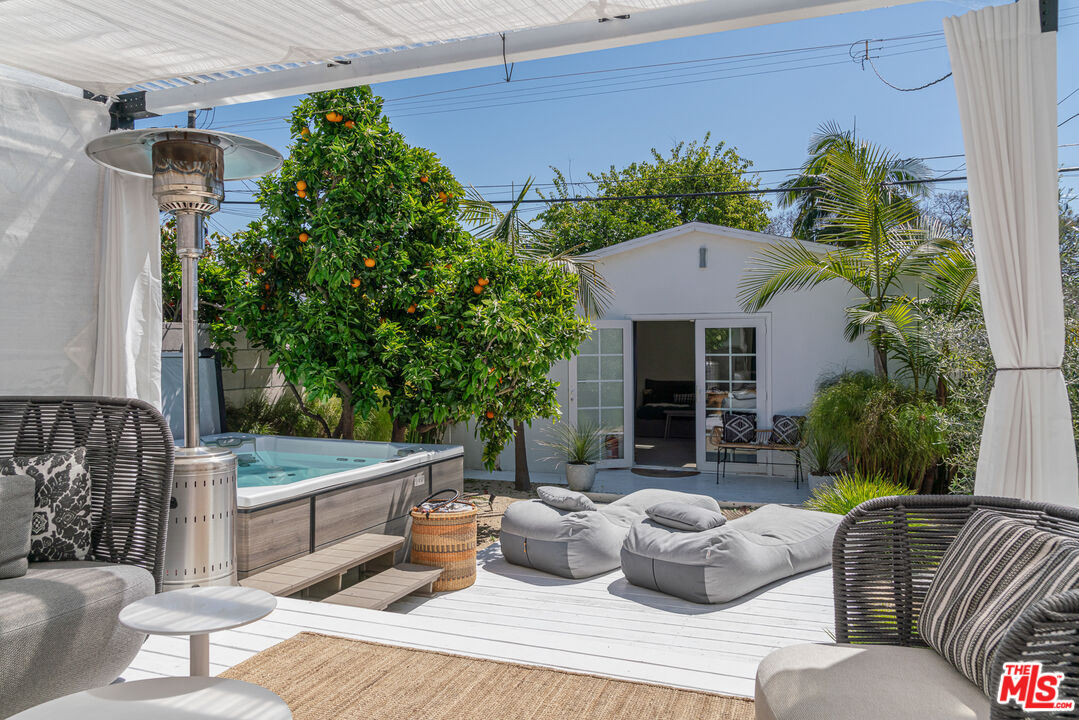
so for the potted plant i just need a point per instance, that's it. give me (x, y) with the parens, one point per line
(580, 447)
(823, 459)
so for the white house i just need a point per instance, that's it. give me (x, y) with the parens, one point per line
(675, 350)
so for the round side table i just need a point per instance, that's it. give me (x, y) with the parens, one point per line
(184, 698)
(198, 612)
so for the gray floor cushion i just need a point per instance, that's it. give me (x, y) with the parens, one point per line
(848, 682)
(59, 631)
(722, 564)
(583, 543)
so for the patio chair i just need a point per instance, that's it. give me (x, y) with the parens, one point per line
(739, 432)
(59, 631)
(885, 555)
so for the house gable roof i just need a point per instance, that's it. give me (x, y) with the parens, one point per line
(721, 231)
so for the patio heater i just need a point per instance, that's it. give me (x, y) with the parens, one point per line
(188, 168)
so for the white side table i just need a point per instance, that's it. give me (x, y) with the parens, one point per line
(183, 698)
(198, 612)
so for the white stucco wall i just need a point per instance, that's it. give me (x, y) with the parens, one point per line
(663, 280)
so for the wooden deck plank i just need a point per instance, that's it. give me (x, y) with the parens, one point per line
(520, 615)
(389, 586)
(296, 575)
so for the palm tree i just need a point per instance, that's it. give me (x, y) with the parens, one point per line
(533, 244)
(882, 246)
(814, 220)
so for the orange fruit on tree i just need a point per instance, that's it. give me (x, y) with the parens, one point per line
(539, 294)
(423, 178)
(301, 185)
(305, 132)
(356, 282)
(430, 291)
(266, 286)
(411, 308)
(478, 289)
(442, 197)
(369, 262)
(262, 306)
(304, 237)
(490, 414)
(330, 116)
(483, 282)
(259, 271)
(301, 193)
(350, 124)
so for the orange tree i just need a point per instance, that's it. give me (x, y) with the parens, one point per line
(362, 285)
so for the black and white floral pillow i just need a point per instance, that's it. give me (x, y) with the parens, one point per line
(786, 430)
(739, 428)
(61, 526)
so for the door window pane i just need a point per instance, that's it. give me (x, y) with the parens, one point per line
(601, 388)
(730, 374)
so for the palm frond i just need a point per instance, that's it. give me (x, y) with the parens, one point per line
(789, 266)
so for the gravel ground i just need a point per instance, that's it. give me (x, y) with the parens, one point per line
(489, 520)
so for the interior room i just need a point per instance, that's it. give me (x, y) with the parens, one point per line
(664, 394)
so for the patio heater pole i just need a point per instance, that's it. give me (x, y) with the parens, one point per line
(188, 168)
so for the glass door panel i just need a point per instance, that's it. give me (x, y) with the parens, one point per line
(730, 369)
(601, 396)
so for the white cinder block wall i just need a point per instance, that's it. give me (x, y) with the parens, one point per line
(659, 277)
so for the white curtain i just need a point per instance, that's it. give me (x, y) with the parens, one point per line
(80, 308)
(128, 362)
(1005, 79)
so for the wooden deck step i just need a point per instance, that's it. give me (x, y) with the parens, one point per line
(329, 563)
(389, 586)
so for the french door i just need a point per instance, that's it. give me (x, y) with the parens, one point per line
(731, 378)
(601, 389)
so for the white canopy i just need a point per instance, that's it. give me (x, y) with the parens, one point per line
(1005, 78)
(201, 53)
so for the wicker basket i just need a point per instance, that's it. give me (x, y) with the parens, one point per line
(446, 538)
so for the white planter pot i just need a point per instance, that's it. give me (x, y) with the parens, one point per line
(580, 477)
(817, 481)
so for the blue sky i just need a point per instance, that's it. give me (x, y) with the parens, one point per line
(502, 133)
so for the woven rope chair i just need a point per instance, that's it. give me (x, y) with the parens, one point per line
(884, 557)
(130, 456)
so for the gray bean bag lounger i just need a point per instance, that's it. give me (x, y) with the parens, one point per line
(725, 563)
(582, 543)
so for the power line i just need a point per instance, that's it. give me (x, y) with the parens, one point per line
(713, 193)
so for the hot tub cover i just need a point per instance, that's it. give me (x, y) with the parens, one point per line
(719, 565)
(582, 543)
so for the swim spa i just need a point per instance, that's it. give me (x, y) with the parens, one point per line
(298, 495)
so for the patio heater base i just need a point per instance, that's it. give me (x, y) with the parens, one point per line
(201, 544)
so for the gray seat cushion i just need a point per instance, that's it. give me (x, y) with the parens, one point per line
(583, 543)
(722, 564)
(856, 682)
(564, 498)
(59, 631)
(16, 513)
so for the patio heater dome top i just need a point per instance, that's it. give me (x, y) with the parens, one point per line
(131, 151)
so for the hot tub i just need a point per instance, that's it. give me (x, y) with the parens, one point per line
(297, 495)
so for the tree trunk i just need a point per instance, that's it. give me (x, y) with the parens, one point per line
(399, 432)
(346, 426)
(521, 480)
(880, 361)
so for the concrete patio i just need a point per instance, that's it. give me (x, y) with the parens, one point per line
(736, 489)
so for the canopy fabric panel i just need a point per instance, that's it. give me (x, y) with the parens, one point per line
(1005, 79)
(53, 261)
(108, 46)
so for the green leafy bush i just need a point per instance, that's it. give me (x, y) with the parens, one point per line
(850, 490)
(284, 417)
(883, 427)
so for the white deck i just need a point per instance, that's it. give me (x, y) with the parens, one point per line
(602, 625)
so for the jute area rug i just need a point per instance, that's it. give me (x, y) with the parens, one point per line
(332, 678)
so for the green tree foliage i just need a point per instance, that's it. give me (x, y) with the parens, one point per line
(218, 276)
(819, 193)
(688, 168)
(361, 284)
